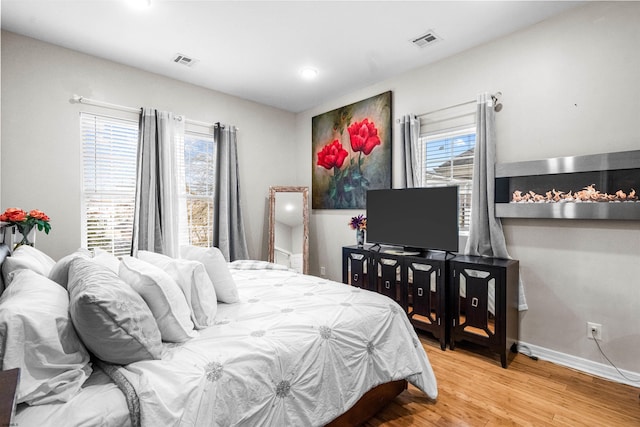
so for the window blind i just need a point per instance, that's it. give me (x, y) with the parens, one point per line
(447, 146)
(109, 182)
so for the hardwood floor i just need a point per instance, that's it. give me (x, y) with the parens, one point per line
(474, 390)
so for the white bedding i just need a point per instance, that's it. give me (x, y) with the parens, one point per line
(98, 403)
(296, 350)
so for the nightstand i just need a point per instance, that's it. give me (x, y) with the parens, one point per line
(357, 266)
(484, 303)
(8, 395)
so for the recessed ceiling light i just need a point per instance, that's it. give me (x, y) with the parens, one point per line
(308, 73)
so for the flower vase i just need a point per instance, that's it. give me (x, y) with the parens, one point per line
(16, 236)
(360, 237)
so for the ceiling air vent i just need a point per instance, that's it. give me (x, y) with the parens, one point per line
(426, 39)
(184, 60)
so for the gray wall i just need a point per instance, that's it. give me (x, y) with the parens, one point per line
(570, 86)
(41, 133)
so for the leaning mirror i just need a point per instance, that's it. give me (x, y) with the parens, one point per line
(289, 227)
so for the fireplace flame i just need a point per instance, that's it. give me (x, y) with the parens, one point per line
(587, 194)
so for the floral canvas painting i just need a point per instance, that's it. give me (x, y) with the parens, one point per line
(351, 149)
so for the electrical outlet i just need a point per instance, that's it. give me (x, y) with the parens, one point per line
(594, 331)
(323, 271)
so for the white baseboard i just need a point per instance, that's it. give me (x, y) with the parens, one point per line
(583, 365)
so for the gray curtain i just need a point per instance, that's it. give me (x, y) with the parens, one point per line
(228, 230)
(156, 216)
(409, 135)
(486, 237)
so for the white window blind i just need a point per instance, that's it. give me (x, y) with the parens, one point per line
(109, 180)
(447, 145)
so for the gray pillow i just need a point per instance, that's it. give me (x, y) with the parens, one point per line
(60, 271)
(113, 321)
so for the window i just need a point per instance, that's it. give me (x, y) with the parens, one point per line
(447, 145)
(109, 181)
(109, 150)
(199, 166)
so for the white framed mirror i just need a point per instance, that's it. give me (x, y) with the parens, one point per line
(289, 227)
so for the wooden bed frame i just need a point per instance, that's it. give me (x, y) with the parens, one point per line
(369, 404)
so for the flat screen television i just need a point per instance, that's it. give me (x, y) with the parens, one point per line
(416, 219)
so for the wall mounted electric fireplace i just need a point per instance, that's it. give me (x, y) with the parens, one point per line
(596, 186)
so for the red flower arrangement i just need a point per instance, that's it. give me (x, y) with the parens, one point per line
(26, 221)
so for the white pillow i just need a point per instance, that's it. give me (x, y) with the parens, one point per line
(60, 271)
(163, 296)
(217, 269)
(37, 336)
(192, 277)
(28, 257)
(106, 259)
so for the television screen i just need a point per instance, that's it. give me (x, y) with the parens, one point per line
(414, 218)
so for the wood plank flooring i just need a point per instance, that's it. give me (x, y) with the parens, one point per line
(474, 390)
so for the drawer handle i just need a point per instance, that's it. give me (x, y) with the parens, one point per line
(355, 277)
(474, 302)
(420, 292)
(387, 285)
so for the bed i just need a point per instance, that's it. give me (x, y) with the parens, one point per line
(292, 349)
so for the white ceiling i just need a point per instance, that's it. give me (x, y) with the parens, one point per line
(255, 49)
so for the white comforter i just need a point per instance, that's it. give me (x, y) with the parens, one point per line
(296, 351)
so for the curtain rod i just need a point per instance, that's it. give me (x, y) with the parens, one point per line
(83, 100)
(447, 108)
(496, 105)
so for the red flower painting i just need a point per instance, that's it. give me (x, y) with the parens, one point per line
(364, 136)
(351, 153)
(332, 155)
